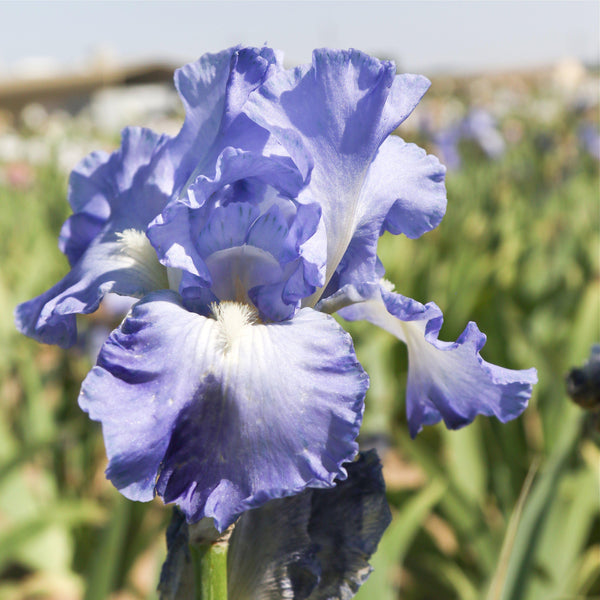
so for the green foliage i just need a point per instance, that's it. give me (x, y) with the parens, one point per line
(502, 512)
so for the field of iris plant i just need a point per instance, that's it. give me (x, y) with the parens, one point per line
(492, 511)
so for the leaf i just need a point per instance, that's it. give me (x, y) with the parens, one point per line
(527, 539)
(396, 541)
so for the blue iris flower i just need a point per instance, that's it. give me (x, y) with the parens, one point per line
(229, 383)
(479, 126)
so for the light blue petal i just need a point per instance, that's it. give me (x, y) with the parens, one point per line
(269, 233)
(446, 380)
(415, 180)
(404, 192)
(234, 165)
(116, 196)
(340, 110)
(226, 227)
(243, 236)
(213, 90)
(237, 270)
(100, 189)
(193, 409)
(105, 267)
(89, 196)
(240, 176)
(78, 232)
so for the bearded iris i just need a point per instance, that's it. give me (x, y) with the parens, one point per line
(229, 383)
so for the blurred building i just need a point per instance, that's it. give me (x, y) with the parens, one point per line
(71, 92)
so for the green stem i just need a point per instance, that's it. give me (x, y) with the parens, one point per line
(210, 570)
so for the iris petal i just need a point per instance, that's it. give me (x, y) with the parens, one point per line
(355, 102)
(315, 545)
(244, 236)
(89, 193)
(213, 90)
(116, 197)
(404, 192)
(446, 380)
(222, 415)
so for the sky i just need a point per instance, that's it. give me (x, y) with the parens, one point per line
(425, 36)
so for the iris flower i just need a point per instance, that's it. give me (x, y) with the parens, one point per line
(481, 126)
(229, 383)
(478, 125)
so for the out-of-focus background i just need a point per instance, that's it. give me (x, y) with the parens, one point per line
(495, 512)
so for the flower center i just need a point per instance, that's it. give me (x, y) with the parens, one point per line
(236, 270)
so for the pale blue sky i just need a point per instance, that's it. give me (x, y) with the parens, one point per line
(421, 36)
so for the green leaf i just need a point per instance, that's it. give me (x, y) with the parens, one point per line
(529, 533)
(396, 542)
(108, 557)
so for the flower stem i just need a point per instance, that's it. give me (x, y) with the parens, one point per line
(210, 570)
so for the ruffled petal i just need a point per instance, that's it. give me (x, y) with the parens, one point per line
(404, 192)
(234, 165)
(213, 90)
(116, 197)
(241, 177)
(78, 232)
(415, 180)
(89, 196)
(122, 262)
(315, 545)
(355, 102)
(446, 380)
(193, 410)
(243, 237)
(100, 189)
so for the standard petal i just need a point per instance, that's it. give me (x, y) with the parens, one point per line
(240, 176)
(340, 110)
(315, 545)
(446, 380)
(244, 236)
(404, 192)
(193, 409)
(213, 90)
(234, 165)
